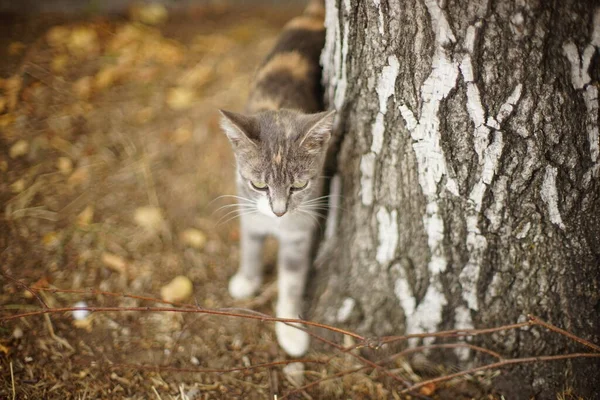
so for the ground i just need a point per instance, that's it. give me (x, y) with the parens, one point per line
(111, 168)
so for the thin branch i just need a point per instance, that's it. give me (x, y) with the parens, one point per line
(163, 368)
(24, 286)
(499, 364)
(536, 321)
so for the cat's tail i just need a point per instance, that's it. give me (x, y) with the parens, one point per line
(315, 9)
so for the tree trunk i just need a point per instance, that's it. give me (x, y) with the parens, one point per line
(467, 147)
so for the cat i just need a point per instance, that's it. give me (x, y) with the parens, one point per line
(280, 143)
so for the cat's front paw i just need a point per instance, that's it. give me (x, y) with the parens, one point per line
(293, 341)
(241, 287)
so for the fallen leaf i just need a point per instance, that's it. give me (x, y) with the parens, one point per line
(151, 14)
(64, 165)
(12, 88)
(59, 63)
(180, 288)
(4, 349)
(51, 240)
(16, 48)
(197, 76)
(18, 186)
(57, 36)
(182, 134)
(149, 218)
(180, 98)
(79, 176)
(83, 87)
(114, 262)
(83, 41)
(86, 216)
(193, 238)
(19, 149)
(428, 389)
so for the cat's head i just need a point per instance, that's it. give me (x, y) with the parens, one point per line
(279, 155)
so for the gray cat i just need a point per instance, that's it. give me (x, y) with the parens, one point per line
(280, 145)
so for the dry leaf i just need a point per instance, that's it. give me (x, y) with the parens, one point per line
(79, 176)
(180, 288)
(182, 134)
(51, 240)
(58, 36)
(149, 218)
(64, 165)
(18, 186)
(19, 149)
(428, 389)
(12, 88)
(16, 48)
(151, 14)
(180, 98)
(83, 87)
(197, 76)
(193, 238)
(83, 41)
(59, 63)
(114, 262)
(86, 216)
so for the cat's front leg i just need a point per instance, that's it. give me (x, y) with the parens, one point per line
(246, 282)
(294, 263)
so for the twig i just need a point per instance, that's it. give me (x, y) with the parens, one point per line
(24, 286)
(393, 357)
(163, 368)
(12, 380)
(189, 310)
(454, 333)
(536, 321)
(499, 364)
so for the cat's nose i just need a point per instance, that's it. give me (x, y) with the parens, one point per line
(279, 206)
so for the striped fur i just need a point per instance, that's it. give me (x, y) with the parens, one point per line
(280, 146)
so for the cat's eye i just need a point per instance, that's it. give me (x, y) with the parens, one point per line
(299, 185)
(258, 185)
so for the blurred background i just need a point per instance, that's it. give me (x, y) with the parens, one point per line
(112, 165)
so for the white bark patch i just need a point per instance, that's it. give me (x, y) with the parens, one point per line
(386, 87)
(550, 196)
(381, 21)
(335, 191)
(334, 55)
(431, 167)
(488, 155)
(581, 80)
(387, 226)
(367, 170)
(345, 310)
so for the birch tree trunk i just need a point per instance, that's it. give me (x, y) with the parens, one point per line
(467, 147)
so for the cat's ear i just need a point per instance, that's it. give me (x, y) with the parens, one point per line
(318, 131)
(240, 129)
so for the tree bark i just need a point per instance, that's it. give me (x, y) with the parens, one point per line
(467, 149)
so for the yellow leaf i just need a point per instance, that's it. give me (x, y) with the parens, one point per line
(193, 238)
(114, 262)
(86, 216)
(180, 288)
(149, 217)
(19, 149)
(151, 14)
(180, 98)
(59, 63)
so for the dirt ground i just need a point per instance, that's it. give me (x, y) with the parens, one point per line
(111, 160)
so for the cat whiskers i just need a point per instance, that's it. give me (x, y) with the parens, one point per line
(241, 214)
(312, 214)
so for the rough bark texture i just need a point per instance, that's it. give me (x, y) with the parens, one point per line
(468, 157)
